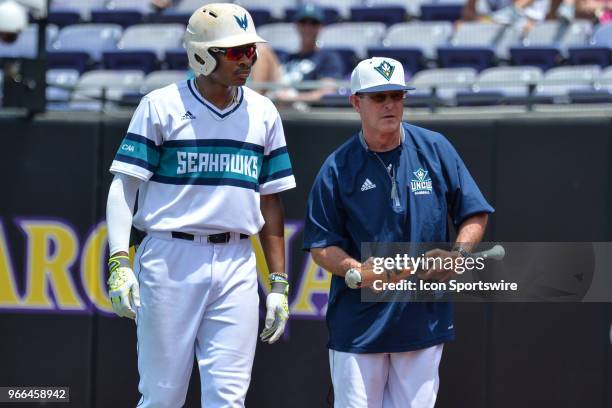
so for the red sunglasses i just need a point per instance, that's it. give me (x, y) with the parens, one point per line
(236, 53)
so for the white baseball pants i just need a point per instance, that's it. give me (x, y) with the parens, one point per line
(196, 298)
(386, 380)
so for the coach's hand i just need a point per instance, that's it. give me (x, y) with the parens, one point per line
(442, 265)
(123, 287)
(277, 309)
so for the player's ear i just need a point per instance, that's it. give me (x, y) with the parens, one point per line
(356, 102)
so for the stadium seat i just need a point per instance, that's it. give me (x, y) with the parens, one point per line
(281, 36)
(385, 14)
(124, 18)
(501, 85)
(540, 47)
(81, 7)
(94, 86)
(62, 18)
(355, 36)
(511, 37)
(26, 45)
(189, 6)
(260, 16)
(330, 15)
(411, 58)
(143, 45)
(60, 84)
(472, 46)
(425, 36)
(559, 81)
(176, 59)
(598, 51)
(276, 7)
(343, 6)
(78, 45)
(441, 83)
(411, 7)
(160, 79)
(441, 11)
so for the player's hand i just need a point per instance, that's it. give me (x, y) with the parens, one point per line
(365, 275)
(277, 310)
(441, 268)
(123, 287)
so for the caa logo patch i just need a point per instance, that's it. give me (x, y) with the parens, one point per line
(127, 147)
(422, 184)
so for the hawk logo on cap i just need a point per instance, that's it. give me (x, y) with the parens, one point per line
(385, 69)
(242, 22)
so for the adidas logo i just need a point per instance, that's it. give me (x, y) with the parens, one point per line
(367, 185)
(188, 115)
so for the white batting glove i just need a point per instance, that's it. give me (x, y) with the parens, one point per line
(277, 309)
(123, 287)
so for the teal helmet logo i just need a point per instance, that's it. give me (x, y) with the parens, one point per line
(385, 69)
(242, 22)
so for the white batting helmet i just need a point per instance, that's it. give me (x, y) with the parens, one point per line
(222, 25)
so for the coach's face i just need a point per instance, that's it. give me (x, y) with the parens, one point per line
(234, 65)
(380, 111)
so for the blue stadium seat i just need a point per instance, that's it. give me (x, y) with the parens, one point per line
(62, 18)
(441, 11)
(60, 84)
(501, 85)
(441, 84)
(281, 36)
(386, 14)
(260, 16)
(26, 45)
(142, 46)
(93, 86)
(77, 46)
(426, 36)
(356, 36)
(124, 18)
(478, 58)
(560, 81)
(82, 7)
(276, 8)
(176, 59)
(411, 58)
(343, 7)
(540, 47)
(598, 51)
(123, 12)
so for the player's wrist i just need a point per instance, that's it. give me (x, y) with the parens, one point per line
(118, 261)
(279, 283)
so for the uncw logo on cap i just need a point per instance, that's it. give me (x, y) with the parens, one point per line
(385, 69)
(242, 22)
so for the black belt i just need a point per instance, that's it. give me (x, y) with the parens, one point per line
(221, 238)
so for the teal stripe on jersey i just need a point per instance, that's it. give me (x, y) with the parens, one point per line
(210, 162)
(139, 151)
(275, 165)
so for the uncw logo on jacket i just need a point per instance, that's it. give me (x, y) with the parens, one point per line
(385, 69)
(242, 22)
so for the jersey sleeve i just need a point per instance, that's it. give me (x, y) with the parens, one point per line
(464, 198)
(139, 152)
(276, 172)
(325, 218)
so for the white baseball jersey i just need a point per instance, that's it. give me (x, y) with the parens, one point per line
(204, 168)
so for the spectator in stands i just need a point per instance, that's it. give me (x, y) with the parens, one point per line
(310, 63)
(523, 14)
(597, 11)
(163, 4)
(13, 19)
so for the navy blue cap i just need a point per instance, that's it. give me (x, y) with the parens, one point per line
(311, 11)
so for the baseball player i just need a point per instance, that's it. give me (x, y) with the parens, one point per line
(387, 354)
(208, 159)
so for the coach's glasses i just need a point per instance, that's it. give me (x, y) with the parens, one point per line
(382, 97)
(236, 53)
